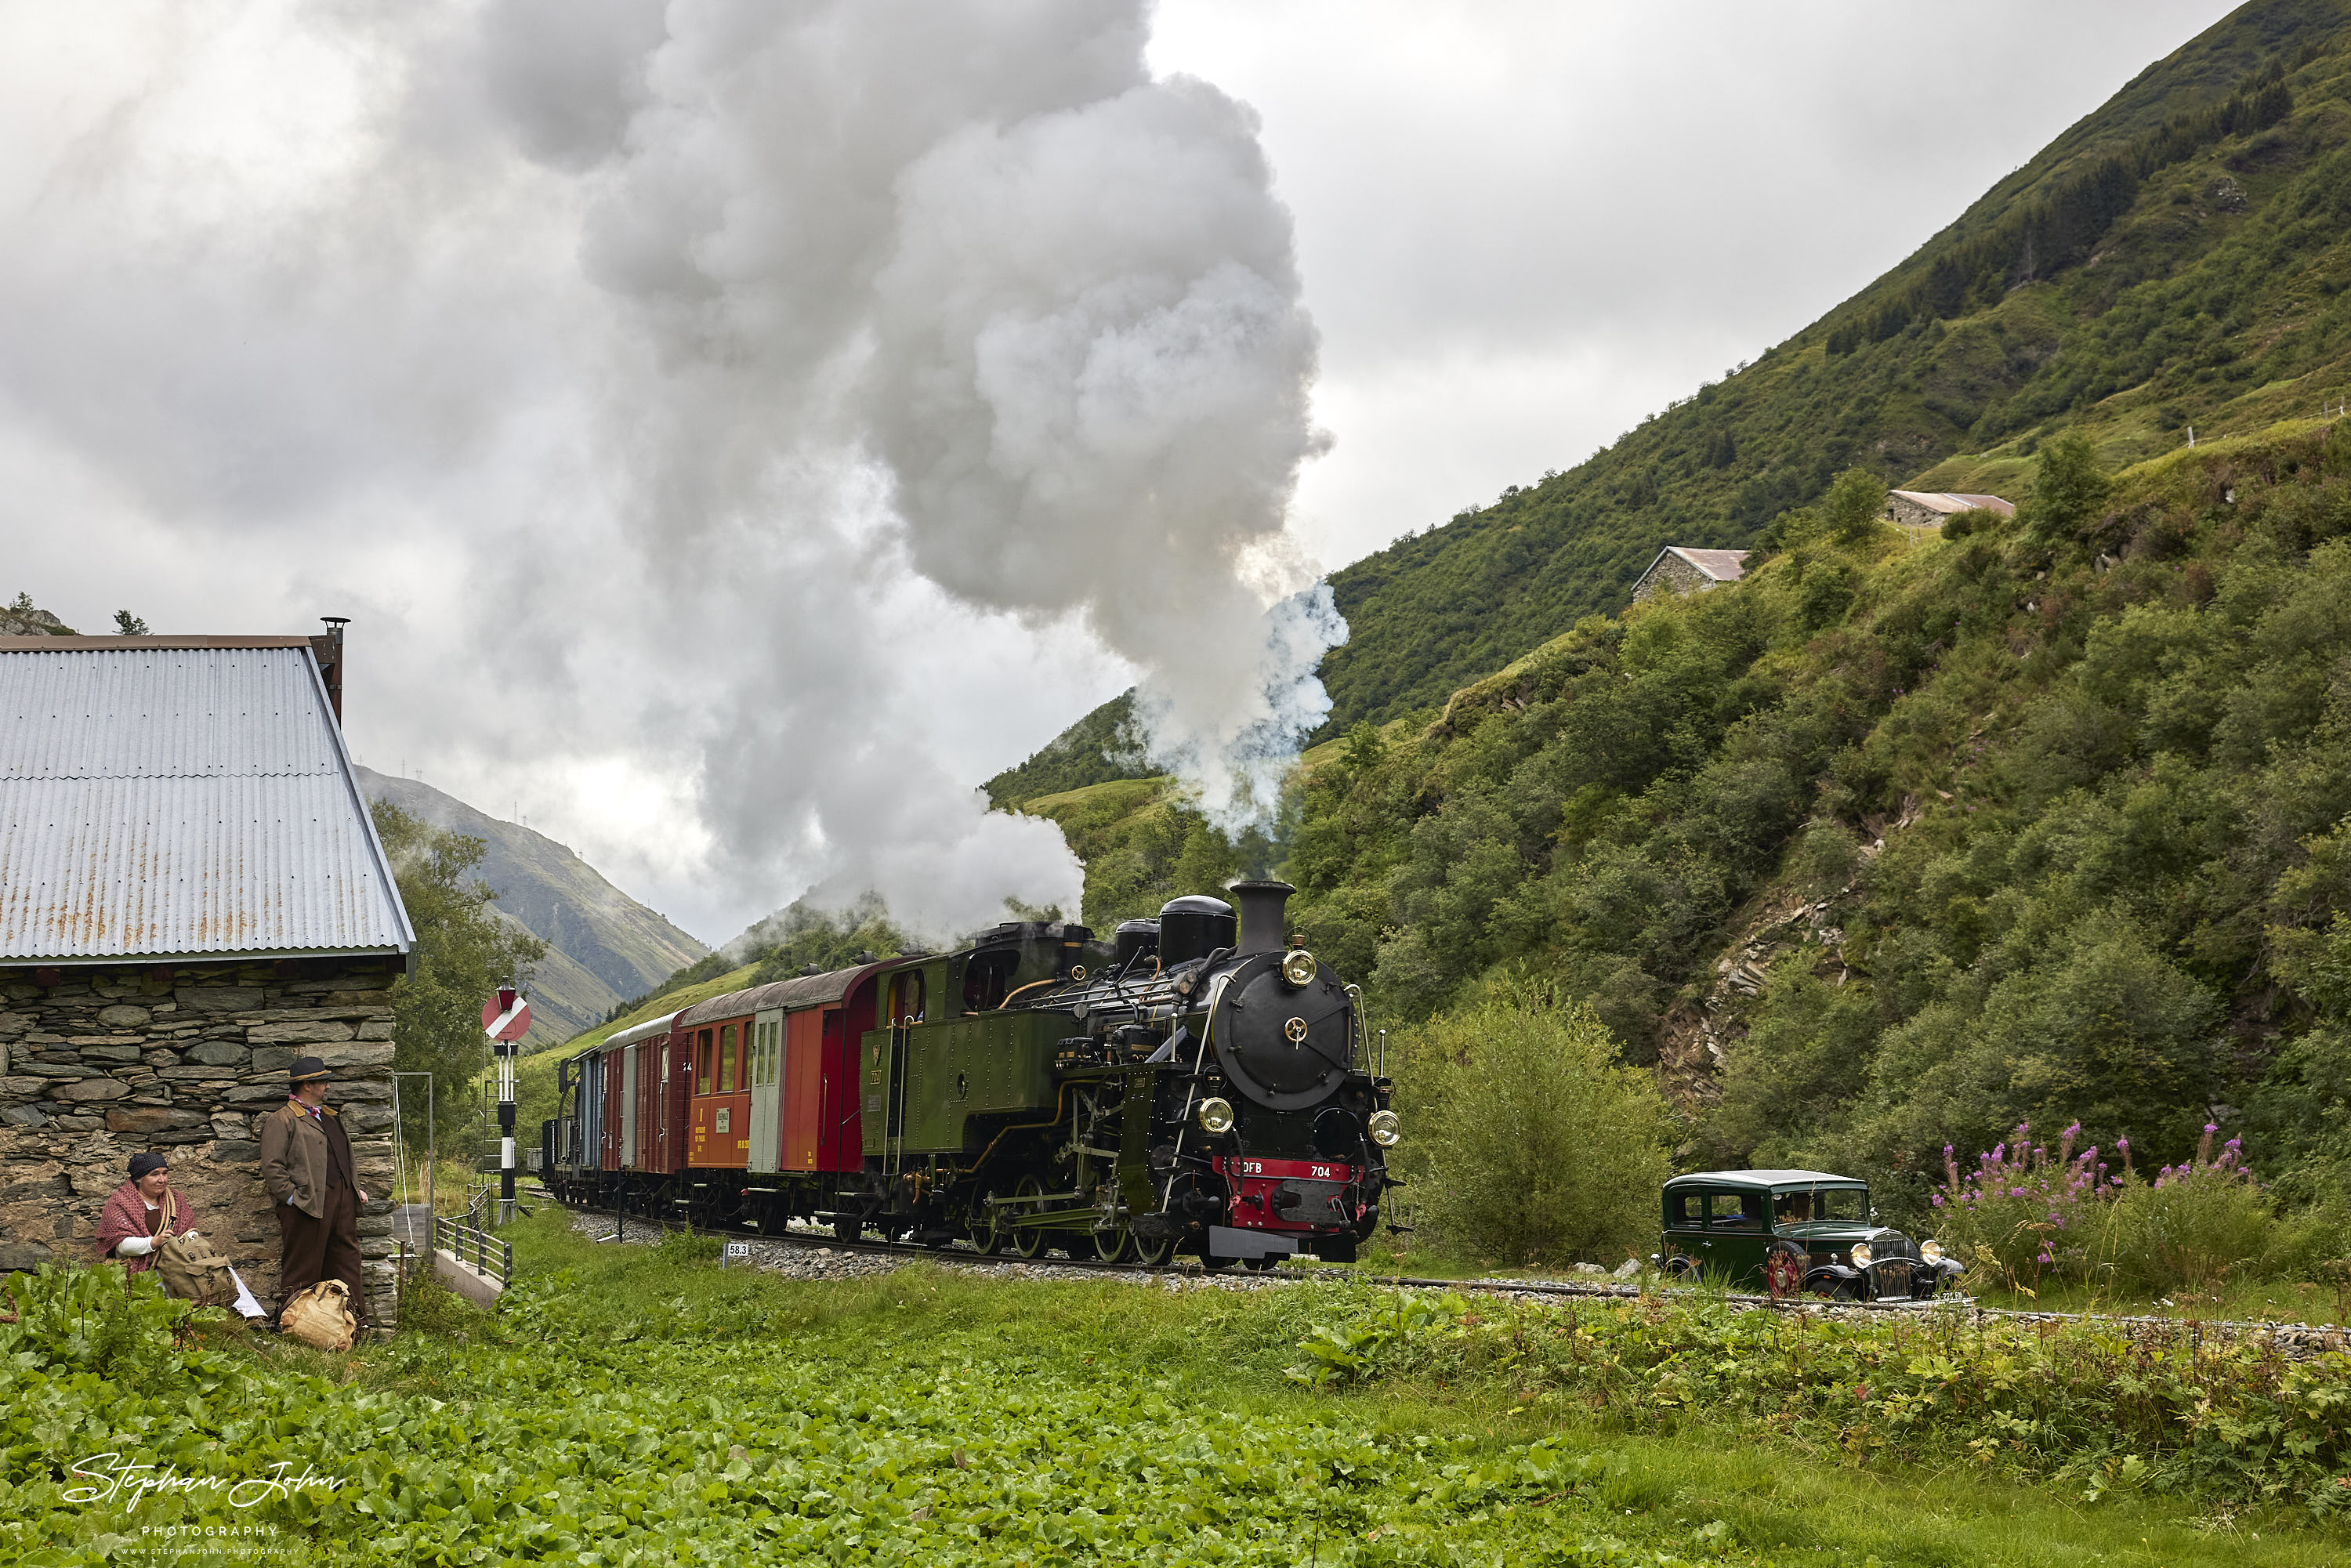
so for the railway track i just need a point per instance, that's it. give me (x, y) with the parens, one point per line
(2291, 1339)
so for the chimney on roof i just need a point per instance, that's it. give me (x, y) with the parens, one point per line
(327, 649)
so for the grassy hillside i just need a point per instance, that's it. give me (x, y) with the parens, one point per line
(1098, 748)
(2179, 257)
(1894, 845)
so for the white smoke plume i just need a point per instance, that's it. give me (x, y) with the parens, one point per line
(744, 361)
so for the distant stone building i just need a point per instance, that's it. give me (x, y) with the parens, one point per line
(192, 894)
(1678, 569)
(1928, 508)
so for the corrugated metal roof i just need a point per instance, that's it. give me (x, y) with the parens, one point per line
(1953, 501)
(1722, 565)
(159, 800)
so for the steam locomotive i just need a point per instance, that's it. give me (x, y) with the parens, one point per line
(1197, 1083)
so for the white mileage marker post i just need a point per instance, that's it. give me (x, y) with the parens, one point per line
(504, 1018)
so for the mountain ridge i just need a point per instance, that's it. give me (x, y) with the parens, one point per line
(603, 946)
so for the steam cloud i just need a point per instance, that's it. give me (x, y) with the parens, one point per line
(739, 333)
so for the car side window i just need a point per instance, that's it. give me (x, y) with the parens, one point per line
(1735, 1211)
(1685, 1211)
(1792, 1208)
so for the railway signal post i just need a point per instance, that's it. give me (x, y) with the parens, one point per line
(504, 1018)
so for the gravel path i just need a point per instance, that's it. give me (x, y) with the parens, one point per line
(796, 1260)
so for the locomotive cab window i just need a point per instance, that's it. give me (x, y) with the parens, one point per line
(988, 977)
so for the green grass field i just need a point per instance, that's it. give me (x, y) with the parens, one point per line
(640, 1405)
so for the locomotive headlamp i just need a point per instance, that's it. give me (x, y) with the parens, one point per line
(1860, 1254)
(1298, 967)
(1383, 1128)
(1931, 1250)
(1216, 1114)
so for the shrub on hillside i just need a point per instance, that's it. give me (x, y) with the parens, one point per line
(2197, 1224)
(2024, 1217)
(1531, 1141)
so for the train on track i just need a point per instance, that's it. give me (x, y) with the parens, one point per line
(1197, 1083)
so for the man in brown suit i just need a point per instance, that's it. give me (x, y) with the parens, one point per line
(306, 1167)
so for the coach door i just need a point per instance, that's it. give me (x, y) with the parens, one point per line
(767, 1088)
(628, 1055)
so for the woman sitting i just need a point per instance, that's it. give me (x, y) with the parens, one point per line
(133, 1225)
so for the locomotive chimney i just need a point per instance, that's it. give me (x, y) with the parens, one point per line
(1260, 904)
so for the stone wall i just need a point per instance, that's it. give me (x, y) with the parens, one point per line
(1911, 513)
(1672, 574)
(100, 1063)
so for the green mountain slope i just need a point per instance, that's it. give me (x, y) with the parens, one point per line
(2176, 259)
(603, 946)
(1894, 845)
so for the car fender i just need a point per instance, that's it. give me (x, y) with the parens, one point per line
(1836, 1272)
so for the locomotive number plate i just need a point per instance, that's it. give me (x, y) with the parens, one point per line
(1308, 1170)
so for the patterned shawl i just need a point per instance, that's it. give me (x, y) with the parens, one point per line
(125, 1214)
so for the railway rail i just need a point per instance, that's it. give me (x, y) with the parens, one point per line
(2294, 1340)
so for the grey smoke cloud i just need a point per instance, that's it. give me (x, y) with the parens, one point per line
(704, 398)
(1052, 298)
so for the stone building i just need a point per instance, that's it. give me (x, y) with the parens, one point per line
(1929, 508)
(1678, 569)
(192, 894)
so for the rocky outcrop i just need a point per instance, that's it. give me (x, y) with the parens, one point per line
(97, 1064)
(21, 620)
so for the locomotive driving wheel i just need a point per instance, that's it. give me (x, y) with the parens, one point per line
(989, 1232)
(1154, 1252)
(1030, 1241)
(1112, 1244)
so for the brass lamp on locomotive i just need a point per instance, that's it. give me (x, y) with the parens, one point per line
(1193, 1084)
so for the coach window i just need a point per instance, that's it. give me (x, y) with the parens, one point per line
(702, 1063)
(726, 1059)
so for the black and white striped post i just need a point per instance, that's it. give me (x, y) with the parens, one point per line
(504, 1018)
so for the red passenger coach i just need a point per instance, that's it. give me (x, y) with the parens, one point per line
(742, 1106)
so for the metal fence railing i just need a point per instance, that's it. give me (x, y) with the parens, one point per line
(468, 1243)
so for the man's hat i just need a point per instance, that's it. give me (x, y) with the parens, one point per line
(308, 1070)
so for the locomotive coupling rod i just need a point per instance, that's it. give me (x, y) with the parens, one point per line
(1034, 1197)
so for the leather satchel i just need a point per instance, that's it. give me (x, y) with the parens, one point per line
(321, 1316)
(190, 1267)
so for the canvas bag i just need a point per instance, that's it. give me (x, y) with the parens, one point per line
(190, 1267)
(321, 1316)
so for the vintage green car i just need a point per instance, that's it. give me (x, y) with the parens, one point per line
(1792, 1232)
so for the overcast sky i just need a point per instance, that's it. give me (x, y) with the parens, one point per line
(643, 385)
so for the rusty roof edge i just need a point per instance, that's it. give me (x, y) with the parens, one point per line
(88, 644)
(358, 798)
(191, 955)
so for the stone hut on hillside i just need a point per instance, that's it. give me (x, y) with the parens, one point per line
(192, 894)
(1679, 570)
(1929, 508)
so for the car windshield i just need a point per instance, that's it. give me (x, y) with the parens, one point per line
(1835, 1205)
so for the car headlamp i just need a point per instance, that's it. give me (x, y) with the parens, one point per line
(1384, 1129)
(1217, 1113)
(1931, 1250)
(1860, 1254)
(1298, 967)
